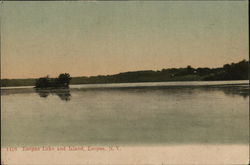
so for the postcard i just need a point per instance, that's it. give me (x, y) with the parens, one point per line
(124, 82)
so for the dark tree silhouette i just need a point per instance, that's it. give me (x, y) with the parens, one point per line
(190, 70)
(62, 81)
(43, 82)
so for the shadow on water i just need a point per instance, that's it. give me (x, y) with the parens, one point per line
(243, 93)
(229, 90)
(63, 94)
(242, 90)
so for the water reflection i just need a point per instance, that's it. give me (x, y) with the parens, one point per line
(63, 94)
(230, 90)
(235, 92)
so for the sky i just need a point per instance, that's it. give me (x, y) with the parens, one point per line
(101, 38)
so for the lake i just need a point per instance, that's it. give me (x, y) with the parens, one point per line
(132, 113)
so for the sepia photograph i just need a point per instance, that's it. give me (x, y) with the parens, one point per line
(124, 82)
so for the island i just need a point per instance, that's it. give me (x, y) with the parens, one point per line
(62, 81)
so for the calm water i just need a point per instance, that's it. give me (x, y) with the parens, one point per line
(141, 113)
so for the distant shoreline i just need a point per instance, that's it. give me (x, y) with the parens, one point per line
(229, 72)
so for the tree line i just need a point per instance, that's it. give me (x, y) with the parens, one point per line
(233, 71)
